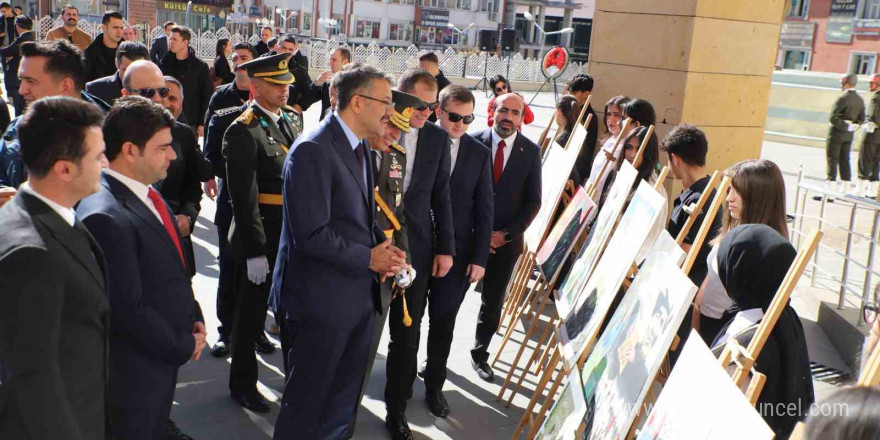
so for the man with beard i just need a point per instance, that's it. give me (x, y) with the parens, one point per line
(516, 173)
(68, 31)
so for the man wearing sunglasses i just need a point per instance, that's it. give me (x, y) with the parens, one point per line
(470, 186)
(428, 211)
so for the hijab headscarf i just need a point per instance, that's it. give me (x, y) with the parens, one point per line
(752, 262)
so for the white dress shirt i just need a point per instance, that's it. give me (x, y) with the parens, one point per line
(66, 213)
(508, 147)
(273, 116)
(354, 141)
(411, 141)
(139, 189)
(453, 153)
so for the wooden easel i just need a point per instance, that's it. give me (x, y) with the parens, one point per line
(610, 156)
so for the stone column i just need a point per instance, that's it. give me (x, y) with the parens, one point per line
(706, 62)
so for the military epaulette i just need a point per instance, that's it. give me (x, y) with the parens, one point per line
(227, 111)
(288, 108)
(247, 117)
(397, 147)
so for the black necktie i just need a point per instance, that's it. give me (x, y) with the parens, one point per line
(285, 130)
(376, 163)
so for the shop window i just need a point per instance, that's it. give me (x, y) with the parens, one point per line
(434, 3)
(871, 10)
(367, 29)
(307, 22)
(463, 4)
(400, 31)
(799, 8)
(404, 2)
(796, 60)
(862, 63)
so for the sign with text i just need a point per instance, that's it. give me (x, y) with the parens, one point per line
(840, 21)
(867, 26)
(797, 35)
(196, 8)
(435, 17)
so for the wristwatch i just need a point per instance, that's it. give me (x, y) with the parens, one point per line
(507, 237)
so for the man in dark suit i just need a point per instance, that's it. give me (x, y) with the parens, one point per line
(53, 378)
(12, 58)
(320, 88)
(266, 34)
(431, 241)
(109, 87)
(157, 323)
(470, 186)
(299, 68)
(160, 45)
(516, 173)
(330, 261)
(581, 86)
(431, 63)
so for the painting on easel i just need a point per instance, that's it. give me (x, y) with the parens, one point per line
(699, 401)
(576, 280)
(582, 324)
(564, 233)
(554, 173)
(567, 412)
(629, 353)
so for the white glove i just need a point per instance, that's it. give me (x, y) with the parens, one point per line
(851, 126)
(258, 269)
(405, 277)
(869, 127)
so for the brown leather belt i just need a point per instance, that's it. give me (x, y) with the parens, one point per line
(271, 199)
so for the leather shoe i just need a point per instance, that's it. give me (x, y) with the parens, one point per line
(253, 401)
(398, 427)
(173, 432)
(437, 403)
(264, 345)
(221, 348)
(483, 370)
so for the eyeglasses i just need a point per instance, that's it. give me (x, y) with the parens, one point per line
(455, 117)
(387, 104)
(501, 88)
(422, 107)
(149, 92)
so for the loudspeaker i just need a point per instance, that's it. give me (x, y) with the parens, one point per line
(509, 40)
(488, 40)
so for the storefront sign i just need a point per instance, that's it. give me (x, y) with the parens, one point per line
(840, 21)
(435, 17)
(255, 11)
(797, 35)
(196, 8)
(865, 26)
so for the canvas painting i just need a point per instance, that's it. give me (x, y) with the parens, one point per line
(574, 283)
(554, 173)
(629, 353)
(577, 138)
(567, 413)
(704, 412)
(582, 325)
(564, 234)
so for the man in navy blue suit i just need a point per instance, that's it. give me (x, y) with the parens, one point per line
(516, 173)
(330, 261)
(470, 186)
(157, 323)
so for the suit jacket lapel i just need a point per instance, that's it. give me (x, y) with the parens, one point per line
(66, 235)
(343, 148)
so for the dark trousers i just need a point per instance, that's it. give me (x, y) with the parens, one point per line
(402, 365)
(444, 301)
(378, 328)
(869, 161)
(837, 155)
(285, 336)
(12, 91)
(226, 286)
(326, 373)
(498, 271)
(250, 317)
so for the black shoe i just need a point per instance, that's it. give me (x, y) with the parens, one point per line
(174, 433)
(422, 369)
(437, 403)
(483, 370)
(221, 348)
(397, 426)
(253, 401)
(264, 345)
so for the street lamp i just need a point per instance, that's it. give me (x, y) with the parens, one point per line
(544, 33)
(459, 31)
(285, 17)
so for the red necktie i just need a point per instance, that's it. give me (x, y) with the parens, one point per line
(498, 168)
(159, 203)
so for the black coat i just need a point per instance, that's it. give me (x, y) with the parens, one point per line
(322, 92)
(305, 97)
(197, 83)
(54, 318)
(100, 59)
(158, 49)
(153, 309)
(518, 192)
(470, 188)
(12, 58)
(108, 88)
(222, 70)
(262, 48)
(584, 162)
(7, 26)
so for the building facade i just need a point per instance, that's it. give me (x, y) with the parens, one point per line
(554, 16)
(831, 36)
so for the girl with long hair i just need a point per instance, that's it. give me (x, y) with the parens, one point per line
(501, 86)
(567, 112)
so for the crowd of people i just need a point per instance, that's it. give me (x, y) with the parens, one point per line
(387, 210)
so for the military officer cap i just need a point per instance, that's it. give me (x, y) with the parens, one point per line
(404, 105)
(271, 68)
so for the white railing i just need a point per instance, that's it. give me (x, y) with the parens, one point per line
(390, 59)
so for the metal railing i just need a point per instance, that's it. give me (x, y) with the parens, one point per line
(856, 207)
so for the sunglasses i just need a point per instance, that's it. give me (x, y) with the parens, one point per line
(455, 117)
(501, 88)
(432, 106)
(149, 92)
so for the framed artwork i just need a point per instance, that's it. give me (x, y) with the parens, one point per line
(567, 413)
(555, 171)
(699, 402)
(629, 353)
(574, 284)
(564, 234)
(583, 323)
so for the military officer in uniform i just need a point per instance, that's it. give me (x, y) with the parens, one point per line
(255, 146)
(846, 117)
(869, 154)
(389, 166)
